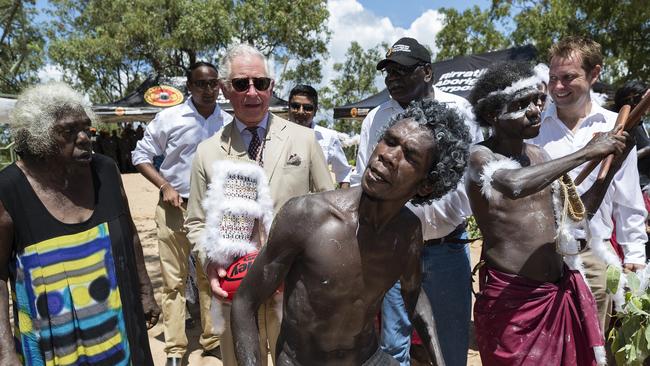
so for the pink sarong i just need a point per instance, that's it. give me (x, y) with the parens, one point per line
(525, 322)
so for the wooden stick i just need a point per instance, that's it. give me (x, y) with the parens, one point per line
(622, 118)
(632, 121)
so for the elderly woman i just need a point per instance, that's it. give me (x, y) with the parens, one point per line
(80, 290)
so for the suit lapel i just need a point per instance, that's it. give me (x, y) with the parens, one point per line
(274, 144)
(231, 141)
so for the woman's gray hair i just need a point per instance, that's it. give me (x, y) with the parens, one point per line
(241, 50)
(36, 111)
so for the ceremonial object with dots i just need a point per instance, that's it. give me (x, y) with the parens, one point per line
(238, 226)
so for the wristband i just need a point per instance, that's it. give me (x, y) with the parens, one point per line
(163, 186)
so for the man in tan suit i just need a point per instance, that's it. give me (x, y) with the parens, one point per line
(292, 160)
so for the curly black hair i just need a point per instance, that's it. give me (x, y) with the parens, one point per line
(452, 140)
(498, 76)
(627, 94)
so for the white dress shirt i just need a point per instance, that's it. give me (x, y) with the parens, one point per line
(623, 201)
(444, 215)
(329, 141)
(175, 133)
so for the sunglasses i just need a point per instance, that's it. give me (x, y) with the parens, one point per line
(399, 71)
(204, 84)
(305, 107)
(242, 84)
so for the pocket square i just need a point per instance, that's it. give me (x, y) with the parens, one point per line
(294, 159)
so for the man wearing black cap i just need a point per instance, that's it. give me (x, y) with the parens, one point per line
(445, 258)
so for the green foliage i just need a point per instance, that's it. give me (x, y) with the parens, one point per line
(472, 31)
(21, 45)
(631, 336)
(621, 27)
(355, 81)
(473, 232)
(107, 45)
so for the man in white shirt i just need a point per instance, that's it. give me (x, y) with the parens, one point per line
(567, 125)
(175, 133)
(303, 105)
(445, 258)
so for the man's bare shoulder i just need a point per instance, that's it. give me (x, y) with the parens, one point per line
(479, 155)
(323, 205)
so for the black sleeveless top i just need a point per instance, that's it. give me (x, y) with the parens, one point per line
(75, 286)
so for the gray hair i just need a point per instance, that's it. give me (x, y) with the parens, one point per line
(36, 111)
(242, 50)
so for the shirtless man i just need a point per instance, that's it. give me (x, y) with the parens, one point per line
(338, 252)
(531, 307)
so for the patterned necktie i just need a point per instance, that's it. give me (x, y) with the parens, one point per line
(254, 146)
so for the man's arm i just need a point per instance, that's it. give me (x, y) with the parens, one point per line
(362, 151)
(8, 354)
(517, 183)
(320, 177)
(417, 304)
(593, 197)
(629, 213)
(264, 277)
(340, 166)
(169, 194)
(153, 144)
(149, 304)
(195, 219)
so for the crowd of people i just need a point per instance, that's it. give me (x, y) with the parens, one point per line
(118, 144)
(390, 244)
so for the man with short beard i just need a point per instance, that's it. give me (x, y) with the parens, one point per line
(80, 289)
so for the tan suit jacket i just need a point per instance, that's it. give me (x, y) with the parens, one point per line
(287, 179)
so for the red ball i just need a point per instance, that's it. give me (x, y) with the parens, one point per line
(236, 273)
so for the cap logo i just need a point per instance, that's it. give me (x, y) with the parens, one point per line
(401, 48)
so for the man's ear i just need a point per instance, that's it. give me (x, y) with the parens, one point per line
(595, 73)
(428, 73)
(272, 85)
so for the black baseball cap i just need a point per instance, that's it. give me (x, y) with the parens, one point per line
(407, 52)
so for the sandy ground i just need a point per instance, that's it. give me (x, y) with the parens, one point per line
(143, 197)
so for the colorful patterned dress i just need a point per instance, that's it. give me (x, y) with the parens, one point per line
(75, 289)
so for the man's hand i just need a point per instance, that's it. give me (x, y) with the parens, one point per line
(604, 144)
(214, 273)
(633, 267)
(151, 309)
(170, 195)
(630, 142)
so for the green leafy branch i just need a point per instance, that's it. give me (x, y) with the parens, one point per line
(630, 337)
